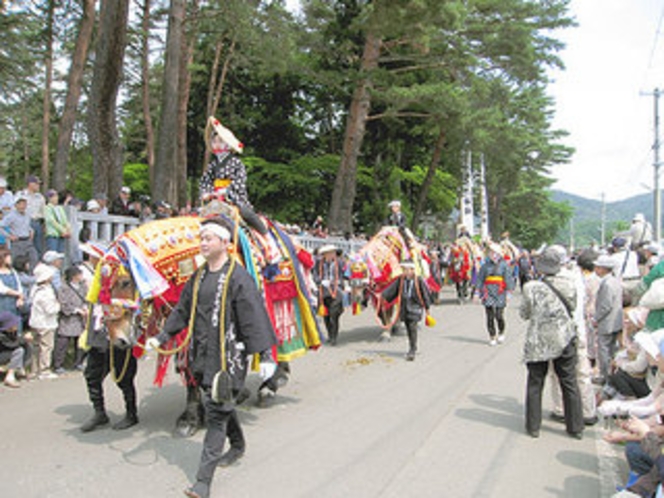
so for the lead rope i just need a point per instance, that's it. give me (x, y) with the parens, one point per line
(222, 311)
(118, 378)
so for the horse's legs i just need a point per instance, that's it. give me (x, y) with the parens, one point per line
(193, 416)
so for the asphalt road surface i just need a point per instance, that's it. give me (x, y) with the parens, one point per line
(356, 420)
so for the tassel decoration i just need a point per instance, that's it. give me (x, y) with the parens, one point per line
(356, 308)
(429, 321)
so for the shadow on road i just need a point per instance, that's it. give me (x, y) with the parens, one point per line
(360, 334)
(496, 411)
(461, 338)
(579, 460)
(573, 486)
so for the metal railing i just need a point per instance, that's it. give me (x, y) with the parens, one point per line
(100, 227)
(105, 228)
(311, 243)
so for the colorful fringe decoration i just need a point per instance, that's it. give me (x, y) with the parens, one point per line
(429, 321)
(323, 311)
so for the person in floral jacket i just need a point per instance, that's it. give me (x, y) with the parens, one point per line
(548, 306)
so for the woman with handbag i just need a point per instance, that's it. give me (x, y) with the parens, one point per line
(548, 306)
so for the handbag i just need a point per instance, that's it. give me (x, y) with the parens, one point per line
(653, 299)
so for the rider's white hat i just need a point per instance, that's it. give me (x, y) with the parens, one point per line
(214, 126)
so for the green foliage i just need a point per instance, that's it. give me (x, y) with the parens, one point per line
(532, 218)
(137, 177)
(474, 69)
(295, 192)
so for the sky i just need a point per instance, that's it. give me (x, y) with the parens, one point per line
(612, 60)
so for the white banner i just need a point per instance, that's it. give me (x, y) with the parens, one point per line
(467, 214)
(484, 202)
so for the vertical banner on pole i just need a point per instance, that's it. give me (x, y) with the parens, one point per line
(484, 201)
(466, 208)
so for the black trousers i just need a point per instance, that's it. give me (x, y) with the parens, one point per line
(334, 310)
(98, 368)
(411, 328)
(222, 420)
(629, 386)
(565, 368)
(462, 289)
(494, 314)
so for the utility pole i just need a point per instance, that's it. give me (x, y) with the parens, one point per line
(657, 194)
(602, 233)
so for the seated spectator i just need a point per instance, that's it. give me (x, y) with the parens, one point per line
(648, 405)
(73, 313)
(630, 365)
(639, 423)
(14, 348)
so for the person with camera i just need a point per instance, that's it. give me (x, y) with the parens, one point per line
(226, 315)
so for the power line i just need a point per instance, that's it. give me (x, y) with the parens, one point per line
(654, 45)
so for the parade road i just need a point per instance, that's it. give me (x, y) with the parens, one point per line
(356, 420)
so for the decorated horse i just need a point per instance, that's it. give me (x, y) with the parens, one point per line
(377, 264)
(140, 278)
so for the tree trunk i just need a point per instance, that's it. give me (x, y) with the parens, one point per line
(343, 195)
(46, 109)
(102, 127)
(212, 85)
(428, 179)
(165, 177)
(216, 87)
(222, 78)
(188, 41)
(145, 88)
(74, 88)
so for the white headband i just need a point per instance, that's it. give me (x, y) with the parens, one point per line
(217, 230)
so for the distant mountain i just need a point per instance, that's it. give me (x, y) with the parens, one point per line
(591, 209)
(588, 216)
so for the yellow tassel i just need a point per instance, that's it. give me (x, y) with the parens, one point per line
(356, 308)
(429, 321)
(322, 310)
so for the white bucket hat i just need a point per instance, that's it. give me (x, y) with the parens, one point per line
(43, 273)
